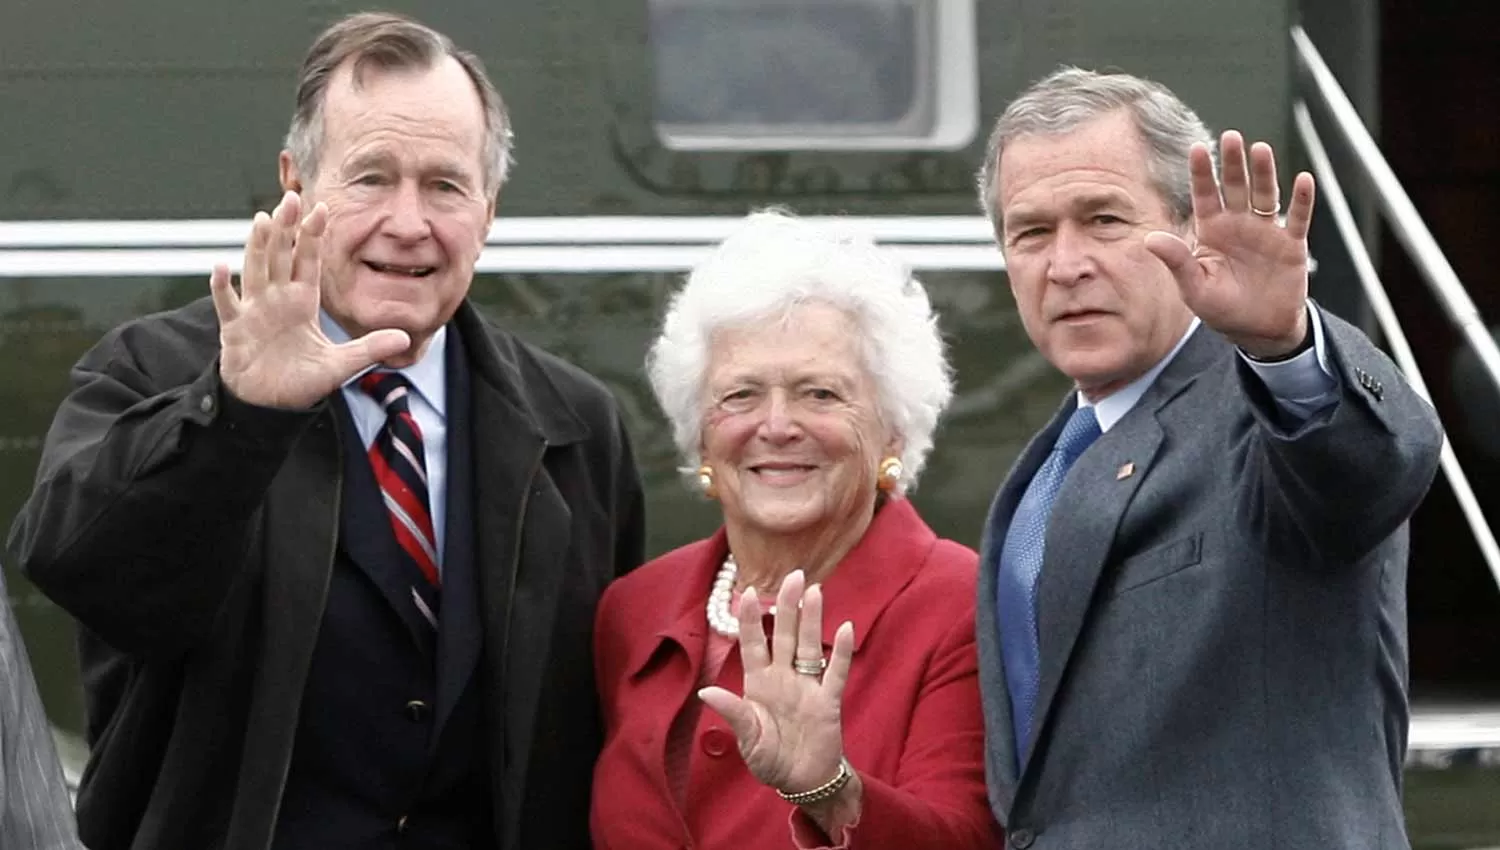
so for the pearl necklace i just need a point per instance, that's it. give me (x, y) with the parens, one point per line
(720, 619)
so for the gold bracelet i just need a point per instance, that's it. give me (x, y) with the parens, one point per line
(824, 791)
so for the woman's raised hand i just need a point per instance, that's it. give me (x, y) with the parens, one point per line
(788, 721)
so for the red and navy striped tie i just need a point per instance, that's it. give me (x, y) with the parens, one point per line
(401, 470)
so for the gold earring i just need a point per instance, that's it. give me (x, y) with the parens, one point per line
(890, 473)
(706, 481)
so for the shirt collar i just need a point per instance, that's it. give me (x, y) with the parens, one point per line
(1113, 407)
(426, 375)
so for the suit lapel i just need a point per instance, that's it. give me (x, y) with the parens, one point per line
(522, 535)
(1087, 513)
(676, 671)
(1000, 754)
(301, 515)
(895, 544)
(1080, 534)
(459, 631)
(698, 567)
(524, 530)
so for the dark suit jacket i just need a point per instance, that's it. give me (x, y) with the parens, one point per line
(193, 536)
(1222, 617)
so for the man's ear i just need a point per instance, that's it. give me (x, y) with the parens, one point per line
(291, 181)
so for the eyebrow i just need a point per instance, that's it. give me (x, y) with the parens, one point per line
(838, 381)
(369, 159)
(1080, 206)
(833, 380)
(383, 159)
(450, 171)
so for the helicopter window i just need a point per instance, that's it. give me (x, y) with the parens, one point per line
(836, 74)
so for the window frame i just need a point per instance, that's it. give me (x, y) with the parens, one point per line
(950, 75)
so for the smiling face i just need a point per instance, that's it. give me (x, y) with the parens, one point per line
(402, 173)
(792, 430)
(1075, 210)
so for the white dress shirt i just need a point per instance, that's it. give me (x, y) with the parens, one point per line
(429, 404)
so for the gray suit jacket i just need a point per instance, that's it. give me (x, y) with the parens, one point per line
(1222, 617)
(35, 812)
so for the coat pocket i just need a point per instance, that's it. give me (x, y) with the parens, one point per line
(1158, 562)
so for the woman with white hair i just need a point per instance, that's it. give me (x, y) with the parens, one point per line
(804, 375)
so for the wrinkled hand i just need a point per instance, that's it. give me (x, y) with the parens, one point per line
(273, 353)
(788, 723)
(1247, 277)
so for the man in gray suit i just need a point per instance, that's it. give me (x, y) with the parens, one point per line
(35, 813)
(1192, 611)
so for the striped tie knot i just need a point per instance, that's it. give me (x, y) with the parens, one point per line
(389, 389)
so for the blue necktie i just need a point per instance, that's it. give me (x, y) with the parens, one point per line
(1021, 566)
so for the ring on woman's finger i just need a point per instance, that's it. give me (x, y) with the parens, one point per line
(814, 667)
(1270, 213)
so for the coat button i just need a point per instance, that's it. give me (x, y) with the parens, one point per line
(716, 742)
(1021, 838)
(416, 711)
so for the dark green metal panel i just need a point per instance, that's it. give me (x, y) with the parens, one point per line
(160, 110)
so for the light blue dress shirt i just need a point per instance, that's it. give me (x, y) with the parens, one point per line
(429, 404)
(1301, 386)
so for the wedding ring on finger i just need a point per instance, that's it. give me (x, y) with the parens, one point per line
(814, 667)
(1270, 213)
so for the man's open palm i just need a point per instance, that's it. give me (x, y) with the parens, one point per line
(273, 351)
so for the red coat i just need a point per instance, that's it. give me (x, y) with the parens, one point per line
(912, 724)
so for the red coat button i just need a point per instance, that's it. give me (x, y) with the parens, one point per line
(717, 742)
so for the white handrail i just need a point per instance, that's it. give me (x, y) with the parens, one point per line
(540, 259)
(1442, 730)
(1405, 222)
(542, 230)
(1332, 195)
(562, 244)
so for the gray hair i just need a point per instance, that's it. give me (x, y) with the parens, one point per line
(774, 263)
(391, 43)
(1070, 97)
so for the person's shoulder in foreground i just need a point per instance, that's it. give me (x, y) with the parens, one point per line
(35, 810)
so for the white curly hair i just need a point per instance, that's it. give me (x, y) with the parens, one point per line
(775, 262)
